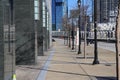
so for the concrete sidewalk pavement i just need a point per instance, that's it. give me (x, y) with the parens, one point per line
(62, 63)
(67, 65)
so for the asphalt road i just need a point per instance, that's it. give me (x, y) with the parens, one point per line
(107, 46)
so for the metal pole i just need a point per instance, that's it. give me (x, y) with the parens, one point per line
(36, 48)
(55, 14)
(67, 23)
(85, 36)
(95, 34)
(13, 44)
(69, 37)
(85, 25)
(79, 47)
(72, 35)
(64, 37)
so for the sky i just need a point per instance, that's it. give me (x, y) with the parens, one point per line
(72, 4)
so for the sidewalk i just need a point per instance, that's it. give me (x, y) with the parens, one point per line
(67, 65)
(30, 72)
(64, 64)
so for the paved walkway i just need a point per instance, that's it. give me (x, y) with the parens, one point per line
(65, 64)
(61, 63)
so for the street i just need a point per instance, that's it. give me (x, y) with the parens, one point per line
(106, 45)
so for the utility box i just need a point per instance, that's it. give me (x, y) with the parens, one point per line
(7, 40)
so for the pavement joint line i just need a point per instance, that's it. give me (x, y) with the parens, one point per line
(43, 71)
(91, 77)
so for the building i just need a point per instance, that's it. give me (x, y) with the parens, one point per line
(7, 40)
(49, 22)
(107, 11)
(21, 31)
(59, 9)
(47, 26)
(32, 20)
(25, 31)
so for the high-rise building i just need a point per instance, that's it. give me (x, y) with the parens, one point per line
(59, 9)
(107, 10)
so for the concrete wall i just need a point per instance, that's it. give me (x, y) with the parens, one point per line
(1, 43)
(49, 2)
(40, 32)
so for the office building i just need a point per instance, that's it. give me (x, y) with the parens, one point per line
(59, 9)
(107, 11)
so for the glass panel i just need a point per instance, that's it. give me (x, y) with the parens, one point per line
(36, 3)
(36, 10)
(43, 16)
(43, 24)
(36, 16)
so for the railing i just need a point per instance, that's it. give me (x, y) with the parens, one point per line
(101, 35)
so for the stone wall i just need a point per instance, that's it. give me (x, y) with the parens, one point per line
(25, 39)
(25, 32)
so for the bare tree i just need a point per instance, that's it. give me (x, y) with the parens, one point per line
(118, 44)
(73, 19)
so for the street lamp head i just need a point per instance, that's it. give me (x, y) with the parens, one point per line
(78, 2)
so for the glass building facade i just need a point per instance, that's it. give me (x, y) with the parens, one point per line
(59, 9)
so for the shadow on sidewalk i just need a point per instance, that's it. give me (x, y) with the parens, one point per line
(71, 73)
(106, 78)
(84, 57)
(90, 76)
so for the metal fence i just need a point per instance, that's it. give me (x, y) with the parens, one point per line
(101, 35)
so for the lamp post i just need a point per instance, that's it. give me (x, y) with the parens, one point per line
(72, 35)
(95, 34)
(69, 44)
(79, 48)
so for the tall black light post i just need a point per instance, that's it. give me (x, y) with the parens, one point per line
(55, 15)
(79, 47)
(69, 44)
(72, 34)
(95, 34)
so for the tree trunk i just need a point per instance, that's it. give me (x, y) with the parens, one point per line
(118, 44)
